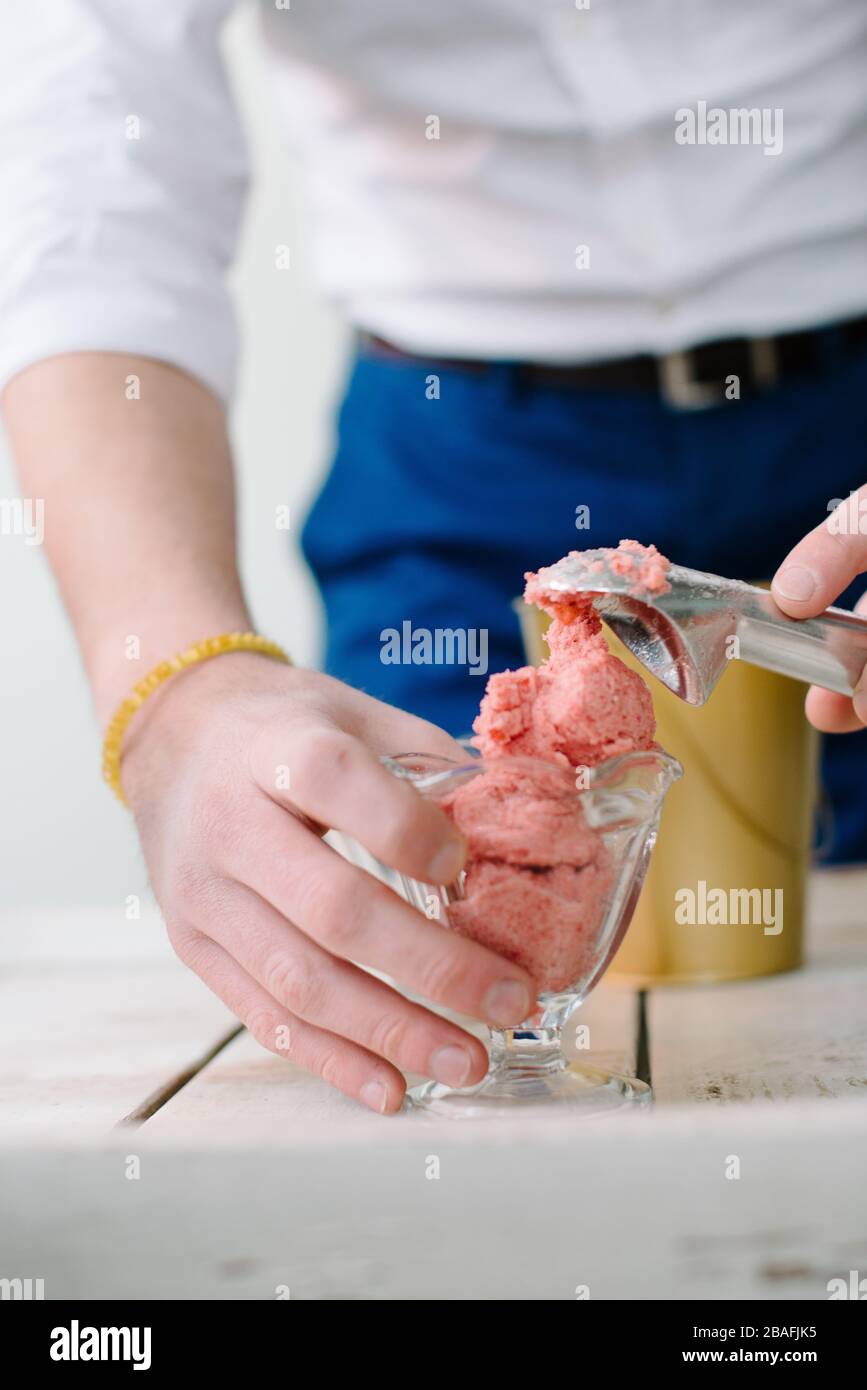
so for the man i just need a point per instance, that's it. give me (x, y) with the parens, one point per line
(609, 267)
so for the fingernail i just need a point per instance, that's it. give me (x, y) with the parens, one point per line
(795, 583)
(447, 862)
(374, 1094)
(507, 1002)
(859, 701)
(451, 1065)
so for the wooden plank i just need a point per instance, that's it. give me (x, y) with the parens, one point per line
(802, 1034)
(96, 1015)
(628, 1207)
(792, 1035)
(837, 914)
(269, 1096)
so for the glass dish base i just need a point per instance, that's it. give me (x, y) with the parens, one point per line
(570, 1089)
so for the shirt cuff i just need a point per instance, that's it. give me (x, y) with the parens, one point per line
(194, 332)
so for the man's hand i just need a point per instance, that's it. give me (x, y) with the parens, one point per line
(140, 531)
(273, 920)
(810, 578)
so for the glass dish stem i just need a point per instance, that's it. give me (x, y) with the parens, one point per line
(527, 1051)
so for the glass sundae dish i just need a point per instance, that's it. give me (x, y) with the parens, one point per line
(554, 870)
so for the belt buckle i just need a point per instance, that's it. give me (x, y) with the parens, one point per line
(765, 362)
(682, 391)
(679, 387)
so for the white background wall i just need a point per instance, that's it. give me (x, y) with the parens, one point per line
(63, 838)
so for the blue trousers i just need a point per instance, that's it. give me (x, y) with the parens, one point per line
(442, 494)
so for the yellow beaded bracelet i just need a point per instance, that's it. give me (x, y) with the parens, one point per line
(199, 651)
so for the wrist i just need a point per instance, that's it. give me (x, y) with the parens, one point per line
(188, 708)
(124, 653)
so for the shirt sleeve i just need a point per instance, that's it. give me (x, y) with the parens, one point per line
(123, 175)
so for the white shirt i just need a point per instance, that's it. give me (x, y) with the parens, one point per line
(559, 129)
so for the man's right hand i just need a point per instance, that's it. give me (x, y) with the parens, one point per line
(812, 576)
(273, 920)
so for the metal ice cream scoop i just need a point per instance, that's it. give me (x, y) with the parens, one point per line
(684, 636)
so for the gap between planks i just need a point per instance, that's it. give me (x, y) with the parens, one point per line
(163, 1094)
(642, 1039)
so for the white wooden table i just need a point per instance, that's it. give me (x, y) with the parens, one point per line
(149, 1149)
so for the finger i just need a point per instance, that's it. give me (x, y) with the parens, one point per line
(356, 917)
(392, 731)
(831, 713)
(385, 728)
(824, 563)
(336, 780)
(335, 995)
(342, 1064)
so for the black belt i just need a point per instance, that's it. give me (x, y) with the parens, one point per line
(694, 379)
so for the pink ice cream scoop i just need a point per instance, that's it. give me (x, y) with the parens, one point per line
(538, 876)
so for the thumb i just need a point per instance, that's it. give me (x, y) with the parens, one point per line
(826, 561)
(836, 714)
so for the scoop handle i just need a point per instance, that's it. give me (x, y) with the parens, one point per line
(829, 650)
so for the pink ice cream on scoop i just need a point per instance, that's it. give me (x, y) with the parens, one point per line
(538, 876)
(581, 706)
(641, 565)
